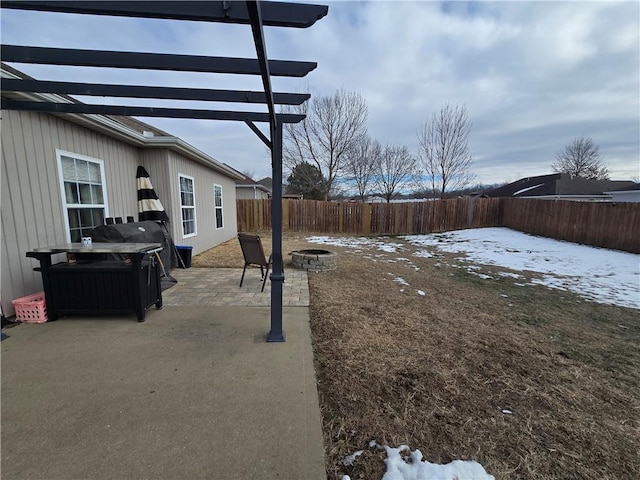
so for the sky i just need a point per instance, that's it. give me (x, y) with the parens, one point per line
(532, 75)
(597, 274)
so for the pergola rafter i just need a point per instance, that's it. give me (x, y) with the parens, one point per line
(252, 12)
(144, 91)
(157, 112)
(150, 61)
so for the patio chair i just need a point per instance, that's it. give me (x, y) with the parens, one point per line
(254, 256)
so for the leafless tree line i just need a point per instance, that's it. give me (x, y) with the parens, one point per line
(333, 138)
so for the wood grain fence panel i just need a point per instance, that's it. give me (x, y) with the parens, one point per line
(606, 225)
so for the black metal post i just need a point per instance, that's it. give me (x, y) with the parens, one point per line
(277, 274)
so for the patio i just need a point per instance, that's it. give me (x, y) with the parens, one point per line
(219, 287)
(193, 392)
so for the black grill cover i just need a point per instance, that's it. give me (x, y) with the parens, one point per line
(138, 232)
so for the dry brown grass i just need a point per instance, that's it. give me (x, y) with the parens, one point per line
(436, 371)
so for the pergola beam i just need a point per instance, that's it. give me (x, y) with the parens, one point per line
(138, 91)
(259, 133)
(251, 12)
(150, 61)
(134, 111)
(274, 14)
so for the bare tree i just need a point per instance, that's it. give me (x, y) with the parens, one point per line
(581, 158)
(360, 161)
(444, 149)
(395, 168)
(332, 125)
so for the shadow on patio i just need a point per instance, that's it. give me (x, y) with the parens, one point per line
(193, 392)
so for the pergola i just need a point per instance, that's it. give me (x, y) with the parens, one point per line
(252, 12)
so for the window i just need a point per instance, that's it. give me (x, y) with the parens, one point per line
(217, 197)
(82, 182)
(188, 206)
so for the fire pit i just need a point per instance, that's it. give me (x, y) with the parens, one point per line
(314, 260)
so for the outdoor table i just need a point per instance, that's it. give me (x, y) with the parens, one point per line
(105, 278)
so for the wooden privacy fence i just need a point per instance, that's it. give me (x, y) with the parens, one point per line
(376, 218)
(608, 225)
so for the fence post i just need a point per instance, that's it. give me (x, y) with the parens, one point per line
(365, 227)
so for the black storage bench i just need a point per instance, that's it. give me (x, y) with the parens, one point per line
(94, 285)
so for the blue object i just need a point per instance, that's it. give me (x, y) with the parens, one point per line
(184, 252)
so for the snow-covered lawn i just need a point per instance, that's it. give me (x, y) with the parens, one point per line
(597, 274)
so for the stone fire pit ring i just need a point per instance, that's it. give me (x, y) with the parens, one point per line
(314, 260)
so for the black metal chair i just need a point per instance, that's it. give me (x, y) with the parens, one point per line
(254, 256)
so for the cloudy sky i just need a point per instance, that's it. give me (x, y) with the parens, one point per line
(533, 75)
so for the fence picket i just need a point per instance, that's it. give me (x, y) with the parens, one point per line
(608, 225)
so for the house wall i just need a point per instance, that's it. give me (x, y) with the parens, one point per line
(626, 196)
(32, 209)
(207, 235)
(249, 193)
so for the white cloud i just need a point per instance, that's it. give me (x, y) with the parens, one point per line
(533, 75)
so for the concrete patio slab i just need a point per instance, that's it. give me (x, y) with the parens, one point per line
(194, 392)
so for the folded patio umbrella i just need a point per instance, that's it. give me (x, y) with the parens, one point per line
(149, 207)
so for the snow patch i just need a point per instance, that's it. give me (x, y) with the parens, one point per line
(349, 459)
(526, 189)
(356, 243)
(414, 468)
(597, 274)
(510, 275)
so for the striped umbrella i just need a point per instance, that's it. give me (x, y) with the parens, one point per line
(149, 207)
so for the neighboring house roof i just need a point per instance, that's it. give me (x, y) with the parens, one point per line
(126, 129)
(247, 182)
(267, 182)
(556, 184)
(630, 188)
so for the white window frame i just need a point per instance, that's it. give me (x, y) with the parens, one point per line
(192, 207)
(66, 206)
(215, 207)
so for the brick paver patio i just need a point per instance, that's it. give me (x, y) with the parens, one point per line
(219, 287)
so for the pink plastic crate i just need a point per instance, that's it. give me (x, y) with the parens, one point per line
(31, 309)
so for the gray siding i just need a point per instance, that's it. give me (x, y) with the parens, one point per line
(32, 208)
(249, 193)
(207, 236)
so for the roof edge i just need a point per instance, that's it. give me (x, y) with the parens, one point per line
(113, 128)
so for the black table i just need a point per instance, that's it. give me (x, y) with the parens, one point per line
(106, 278)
